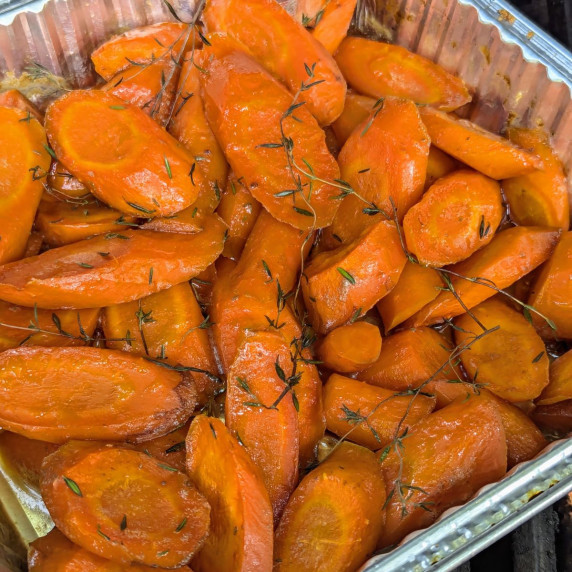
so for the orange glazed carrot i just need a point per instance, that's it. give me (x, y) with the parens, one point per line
(539, 198)
(168, 325)
(261, 412)
(511, 254)
(13, 98)
(555, 417)
(247, 109)
(23, 168)
(490, 154)
(111, 269)
(350, 348)
(347, 282)
(357, 109)
(64, 186)
(457, 215)
(383, 161)
(521, 377)
(439, 164)
(333, 519)
(57, 394)
(332, 26)
(285, 48)
(241, 534)
(379, 70)
(551, 292)
(446, 458)
(124, 505)
(370, 415)
(142, 46)
(121, 154)
(417, 286)
(560, 386)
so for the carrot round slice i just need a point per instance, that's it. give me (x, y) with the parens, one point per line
(124, 505)
(333, 519)
(57, 394)
(121, 154)
(241, 534)
(560, 386)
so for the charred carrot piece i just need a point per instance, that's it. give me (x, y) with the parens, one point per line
(14, 98)
(560, 386)
(333, 519)
(357, 109)
(439, 164)
(379, 70)
(62, 185)
(106, 500)
(241, 535)
(554, 417)
(203, 284)
(332, 22)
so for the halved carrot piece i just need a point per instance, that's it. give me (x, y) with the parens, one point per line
(333, 519)
(14, 98)
(511, 254)
(555, 417)
(241, 534)
(439, 164)
(357, 109)
(124, 505)
(261, 412)
(285, 48)
(371, 415)
(490, 154)
(57, 394)
(445, 459)
(347, 282)
(551, 292)
(64, 186)
(380, 70)
(24, 166)
(168, 325)
(332, 23)
(350, 348)
(384, 161)
(250, 112)
(111, 269)
(560, 386)
(121, 154)
(539, 198)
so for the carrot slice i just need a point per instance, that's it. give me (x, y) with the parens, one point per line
(248, 110)
(555, 417)
(369, 415)
(64, 186)
(439, 164)
(490, 154)
(332, 23)
(13, 98)
(169, 325)
(445, 459)
(357, 109)
(241, 534)
(551, 292)
(263, 421)
(350, 348)
(121, 154)
(348, 281)
(285, 48)
(457, 215)
(539, 198)
(380, 70)
(57, 394)
(510, 255)
(560, 386)
(111, 269)
(25, 163)
(332, 520)
(384, 160)
(124, 505)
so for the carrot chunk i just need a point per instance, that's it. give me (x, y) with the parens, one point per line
(357, 109)
(62, 185)
(333, 23)
(560, 386)
(555, 417)
(439, 164)
(13, 98)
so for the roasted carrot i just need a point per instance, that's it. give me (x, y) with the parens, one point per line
(106, 499)
(285, 48)
(439, 164)
(24, 166)
(347, 282)
(111, 269)
(333, 519)
(541, 197)
(444, 460)
(511, 254)
(34, 244)
(241, 533)
(369, 415)
(457, 215)
(357, 109)
(251, 115)
(490, 154)
(551, 292)
(332, 22)
(64, 186)
(122, 156)
(555, 417)
(350, 348)
(188, 221)
(560, 386)
(203, 284)
(168, 325)
(384, 161)
(379, 70)
(57, 394)
(14, 98)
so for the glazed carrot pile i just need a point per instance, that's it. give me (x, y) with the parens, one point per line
(266, 301)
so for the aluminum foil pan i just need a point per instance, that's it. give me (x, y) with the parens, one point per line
(516, 73)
